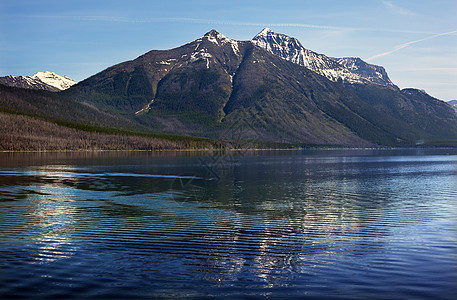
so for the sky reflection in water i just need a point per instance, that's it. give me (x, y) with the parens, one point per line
(344, 224)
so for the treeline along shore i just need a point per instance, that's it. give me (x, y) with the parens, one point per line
(26, 133)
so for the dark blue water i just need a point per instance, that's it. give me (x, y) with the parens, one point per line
(309, 224)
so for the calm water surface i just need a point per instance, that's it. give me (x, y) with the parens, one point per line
(318, 224)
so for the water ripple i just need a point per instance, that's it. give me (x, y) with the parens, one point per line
(272, 226)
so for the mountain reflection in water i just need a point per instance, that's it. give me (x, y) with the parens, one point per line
(341, 224)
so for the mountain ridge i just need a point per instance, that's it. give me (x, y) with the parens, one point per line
(48, 81)
(349, 70)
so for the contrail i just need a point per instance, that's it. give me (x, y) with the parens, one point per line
(399, 47)
(117, 19)
(114, 19)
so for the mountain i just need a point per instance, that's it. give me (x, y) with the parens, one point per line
(408, 113)
(213, 83)
(225, 89)
(349, 69)
(48, 81)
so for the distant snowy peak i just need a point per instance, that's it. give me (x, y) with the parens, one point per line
(350, 70)
(52, 79)
(453, 103)
(26, 82)
(48, 81)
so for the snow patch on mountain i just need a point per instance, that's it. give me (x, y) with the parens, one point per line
(202, 53)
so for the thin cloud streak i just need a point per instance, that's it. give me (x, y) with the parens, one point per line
(221, 22)
(402, 46)
(440, 69)
(398, 10)
(188, 20)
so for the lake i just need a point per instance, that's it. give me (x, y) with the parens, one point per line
(342, 224)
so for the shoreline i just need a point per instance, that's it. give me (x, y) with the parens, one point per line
(320, 148)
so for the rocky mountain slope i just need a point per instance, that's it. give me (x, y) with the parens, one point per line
(48, 81)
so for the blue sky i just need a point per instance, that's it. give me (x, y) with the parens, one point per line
(416, 41)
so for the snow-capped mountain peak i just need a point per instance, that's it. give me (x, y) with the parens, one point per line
(350, 70)
(290, 49)
(276, 42)
(215, 37)
(220, 40)
(52, 79)
(265, 31)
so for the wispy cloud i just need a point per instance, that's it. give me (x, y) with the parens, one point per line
(438, 69)
(397, 9)
(118, 19)
(402, 46)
